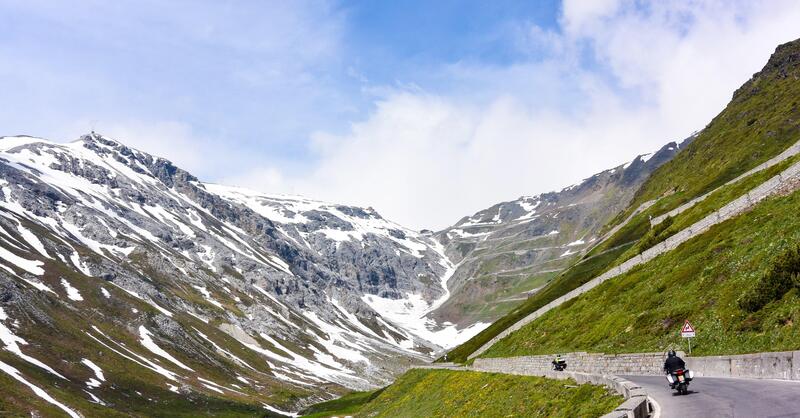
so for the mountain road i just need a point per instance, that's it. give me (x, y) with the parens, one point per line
(713, 397)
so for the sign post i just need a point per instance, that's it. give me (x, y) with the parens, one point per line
(687, 331)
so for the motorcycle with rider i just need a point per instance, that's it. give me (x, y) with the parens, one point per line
(678, 375)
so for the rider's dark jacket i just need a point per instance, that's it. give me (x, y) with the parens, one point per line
(674, 363)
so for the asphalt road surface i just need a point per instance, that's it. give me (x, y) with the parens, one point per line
(715, 397)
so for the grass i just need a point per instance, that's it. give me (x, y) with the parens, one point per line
(702, 280)
(447, 393)
(346, 405)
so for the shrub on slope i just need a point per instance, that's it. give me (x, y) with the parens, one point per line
(783, 276)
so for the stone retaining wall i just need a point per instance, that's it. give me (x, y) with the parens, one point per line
(784, 182)
(642, 364)
(788, 153)
(784, 365)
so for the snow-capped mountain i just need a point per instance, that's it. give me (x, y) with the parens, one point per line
(508, 251)
(155, 282)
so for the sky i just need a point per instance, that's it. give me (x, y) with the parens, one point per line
(426, 111)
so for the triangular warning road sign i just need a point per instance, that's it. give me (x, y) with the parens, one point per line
(687, 328)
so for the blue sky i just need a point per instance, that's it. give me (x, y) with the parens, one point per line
(222, 69)
(427, 111)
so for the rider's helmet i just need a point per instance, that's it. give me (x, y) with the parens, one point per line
(671, 353)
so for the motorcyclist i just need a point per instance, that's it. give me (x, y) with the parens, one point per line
(559, 364)
(673, 363)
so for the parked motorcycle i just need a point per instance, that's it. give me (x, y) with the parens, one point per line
(679, 380)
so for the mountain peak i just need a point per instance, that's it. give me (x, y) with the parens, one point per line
(785, 59)
(782, 64)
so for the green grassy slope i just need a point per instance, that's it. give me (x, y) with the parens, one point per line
(703, 280)
(347, 405)
(761, 121)
(446, 393)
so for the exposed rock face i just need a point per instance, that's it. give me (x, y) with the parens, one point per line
(317, 295)
(508, 251)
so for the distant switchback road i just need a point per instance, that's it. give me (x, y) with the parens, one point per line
(711, 397)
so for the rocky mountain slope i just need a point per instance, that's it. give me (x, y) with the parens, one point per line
(125, 280)
(507, 252)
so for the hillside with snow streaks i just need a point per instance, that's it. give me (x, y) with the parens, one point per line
(153, 276)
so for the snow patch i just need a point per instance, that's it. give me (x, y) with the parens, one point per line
(142, 361)
(207, 295)
(72, 292)
(98, 372)
(31, 266)
(278, 411)
(149, 344)
(410, 314)
(33, 240)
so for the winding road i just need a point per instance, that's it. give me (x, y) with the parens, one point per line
(715, 397)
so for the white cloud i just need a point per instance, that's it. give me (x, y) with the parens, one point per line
(425, 161)
(176, 78)
(576, 13)
(426, 158)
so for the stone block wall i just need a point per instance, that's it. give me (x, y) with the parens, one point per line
(645, 364)
(788, 153)
(784, 365)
